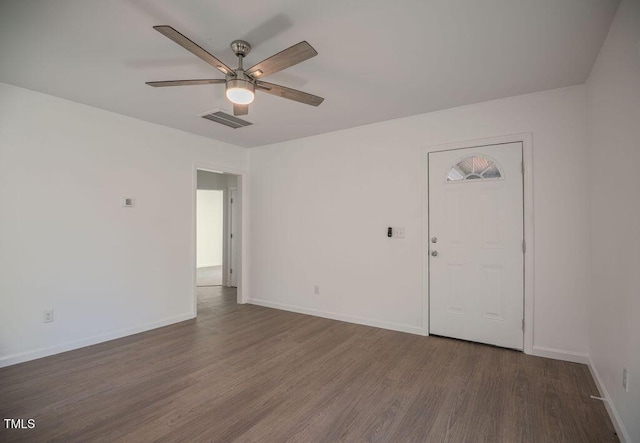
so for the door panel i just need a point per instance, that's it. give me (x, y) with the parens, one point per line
(491, 224)
(476, 280)
(490, 292)
(456, 288)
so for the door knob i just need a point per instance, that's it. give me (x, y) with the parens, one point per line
(434, 239)
(434, 253)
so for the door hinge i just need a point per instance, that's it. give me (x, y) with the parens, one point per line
(523, 324)
(231, 201)
(524, 246)
(231, 235)
(230, 271)
(522, 165)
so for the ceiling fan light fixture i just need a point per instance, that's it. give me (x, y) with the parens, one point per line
(240, 92)
(240, 85)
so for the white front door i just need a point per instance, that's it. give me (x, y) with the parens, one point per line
(476, 262)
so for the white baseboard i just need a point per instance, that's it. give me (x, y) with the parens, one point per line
(335, 316)
(76, 344)
(623, 435)
(561, 354)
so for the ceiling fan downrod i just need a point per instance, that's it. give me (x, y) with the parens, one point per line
(241, 49)
(240, 88)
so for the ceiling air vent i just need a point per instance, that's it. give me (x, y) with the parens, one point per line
(223, 118)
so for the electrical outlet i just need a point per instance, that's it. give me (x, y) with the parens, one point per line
(47, 316)
(625, 379)
(316, 290)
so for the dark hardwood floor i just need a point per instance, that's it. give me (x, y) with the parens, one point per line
(248, 373)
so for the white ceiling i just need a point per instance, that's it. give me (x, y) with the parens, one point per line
(378, 59)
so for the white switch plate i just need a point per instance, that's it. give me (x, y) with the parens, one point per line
(398, 232)
(47, 316)
(625, 379)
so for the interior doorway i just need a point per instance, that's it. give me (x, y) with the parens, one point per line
(218, 239)
(210, 237)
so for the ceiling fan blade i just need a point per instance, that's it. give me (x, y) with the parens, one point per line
(204, 81)
(288, 93)
(240, 109)
(192, 47)
(282, 60)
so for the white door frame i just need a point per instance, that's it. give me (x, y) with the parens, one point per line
(527, 155)
(228, 239)
(243, 192)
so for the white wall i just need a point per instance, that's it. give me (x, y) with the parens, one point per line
(614, 122)
(210, 218)
(320, 207)
(65, 240)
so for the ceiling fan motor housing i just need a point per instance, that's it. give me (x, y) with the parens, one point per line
(241, 88)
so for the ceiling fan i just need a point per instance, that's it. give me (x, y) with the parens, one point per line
(241, 84)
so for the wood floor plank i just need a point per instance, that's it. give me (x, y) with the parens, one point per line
(252, 374)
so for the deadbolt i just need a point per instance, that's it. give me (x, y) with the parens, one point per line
(434, 239)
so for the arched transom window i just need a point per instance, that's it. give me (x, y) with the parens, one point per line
(474, 167)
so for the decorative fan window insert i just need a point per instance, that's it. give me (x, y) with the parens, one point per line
(474, 167)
